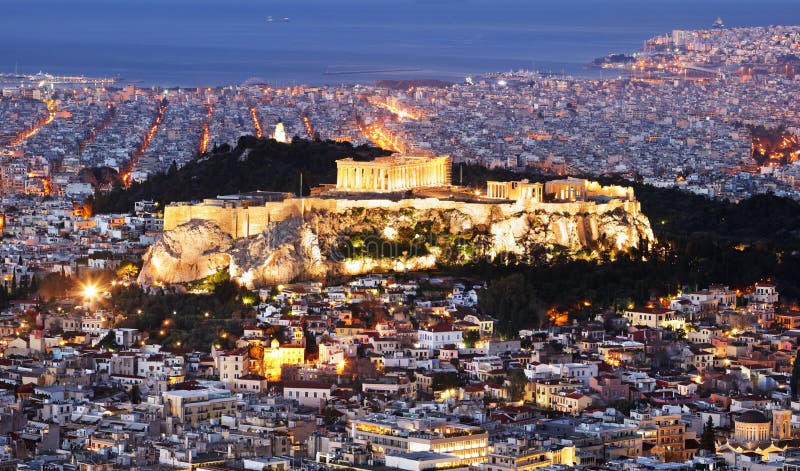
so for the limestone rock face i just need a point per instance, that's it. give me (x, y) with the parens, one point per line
(286, 250)
(189, 252)
(355, 240)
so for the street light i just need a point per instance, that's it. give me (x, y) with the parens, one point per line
(90, 291)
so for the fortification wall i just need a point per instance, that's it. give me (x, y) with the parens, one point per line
(250, 221)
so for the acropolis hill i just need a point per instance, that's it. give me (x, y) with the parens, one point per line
(391, 213)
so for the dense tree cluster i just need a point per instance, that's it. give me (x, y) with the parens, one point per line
(254, 164)
(700, 241)
(186, 320)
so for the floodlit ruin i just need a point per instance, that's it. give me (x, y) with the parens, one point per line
(394, 213)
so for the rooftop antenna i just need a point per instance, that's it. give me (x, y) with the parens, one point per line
(461, 174)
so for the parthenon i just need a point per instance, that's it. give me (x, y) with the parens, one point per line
(394, 173)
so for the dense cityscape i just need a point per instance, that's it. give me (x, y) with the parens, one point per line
(383, 320)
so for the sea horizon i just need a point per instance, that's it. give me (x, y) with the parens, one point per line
(205, 43)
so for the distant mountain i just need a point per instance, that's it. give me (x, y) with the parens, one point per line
(254, 164)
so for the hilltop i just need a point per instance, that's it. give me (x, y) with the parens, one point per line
(254, 164)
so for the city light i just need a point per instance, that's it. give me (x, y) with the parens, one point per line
(90, 291)
(381, 137)
(204, 138)
(33, 130)
(125, 172)
(256, 122)
(401, 112)
(309, 127)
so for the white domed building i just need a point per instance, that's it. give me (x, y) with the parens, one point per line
(752, 427)
(756, 432)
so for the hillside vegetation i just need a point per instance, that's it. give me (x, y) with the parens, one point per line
(254, 164)
(700, 241)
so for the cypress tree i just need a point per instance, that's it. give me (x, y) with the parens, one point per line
(707, 439)
(795, 381)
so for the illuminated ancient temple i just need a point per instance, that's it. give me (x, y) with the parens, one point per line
(394, 173)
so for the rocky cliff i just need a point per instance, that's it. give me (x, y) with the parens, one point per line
(351, 240)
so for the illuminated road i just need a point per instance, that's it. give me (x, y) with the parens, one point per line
(381, 137)
(400, 112)
(256, 122)
(37, 126)
(125, 175)
(204, 133)
(309, 127)
(100, 128)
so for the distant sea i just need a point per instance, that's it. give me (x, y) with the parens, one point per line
(222, 42)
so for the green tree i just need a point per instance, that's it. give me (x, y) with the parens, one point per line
(312, 349)
(442, 381)
(471, 337)
(795, 384)
(127, 271)
(513, 300)
(136, 394)
(622, 405)
(707, 438)
(330, 416)
(515, 385)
